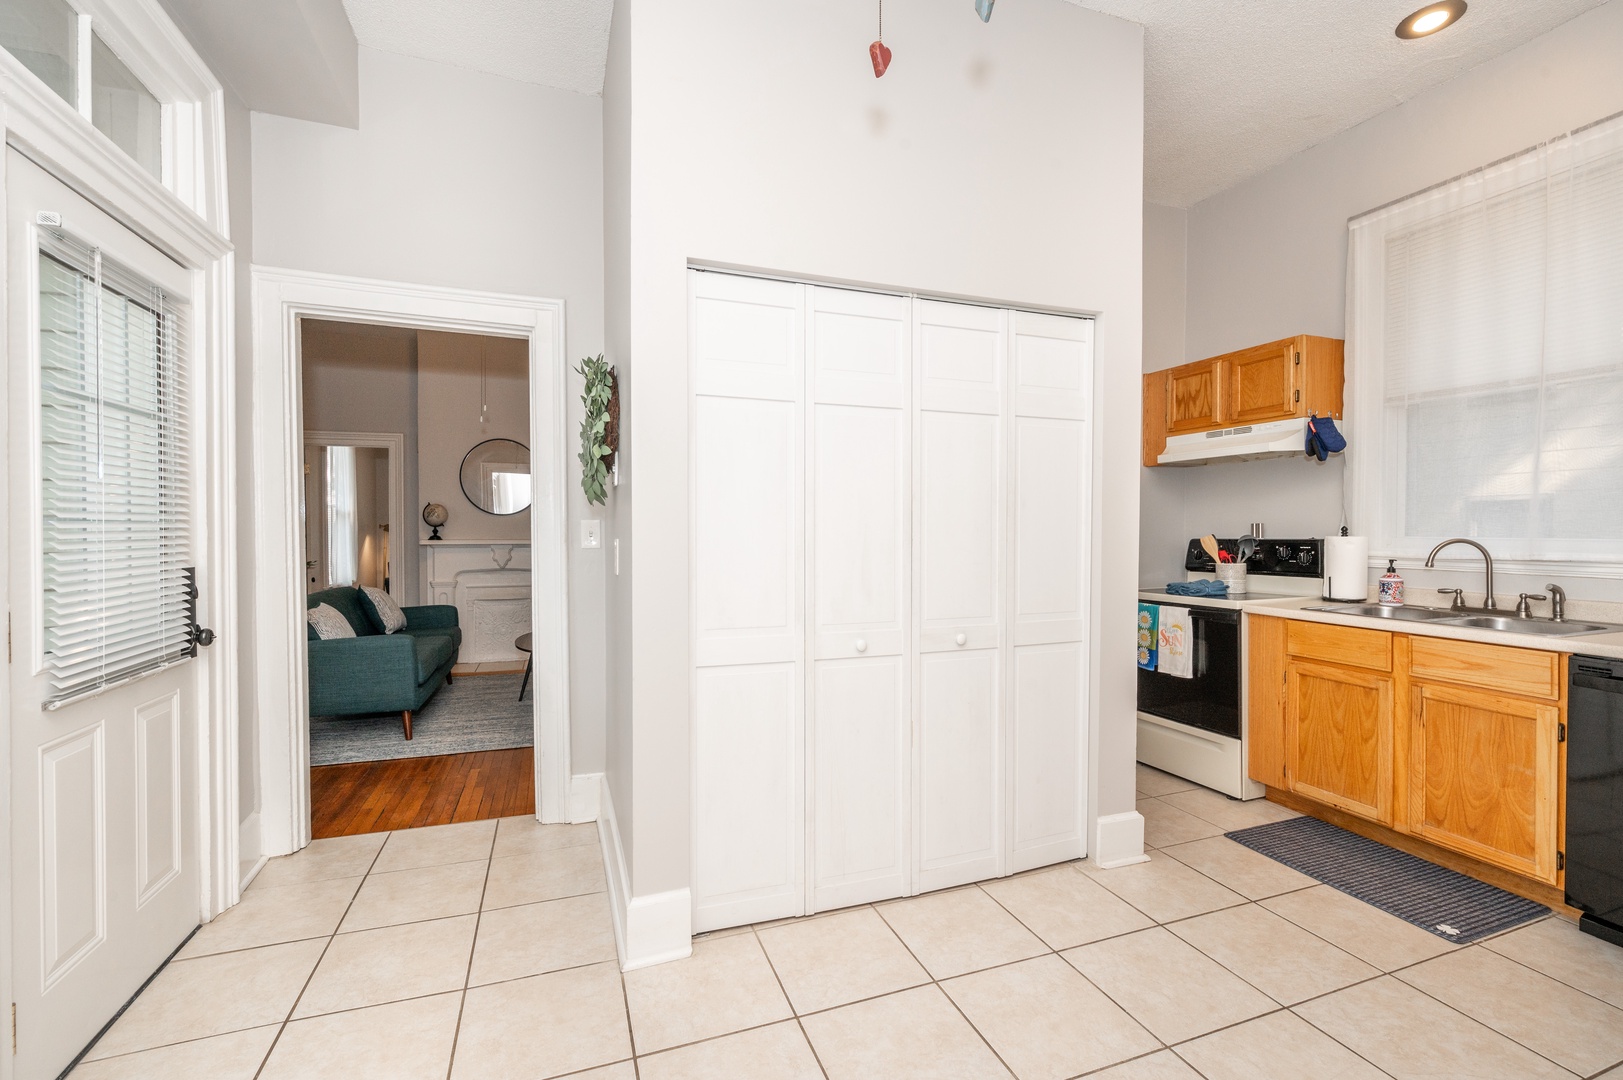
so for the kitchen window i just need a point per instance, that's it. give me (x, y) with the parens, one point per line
(1485, 359)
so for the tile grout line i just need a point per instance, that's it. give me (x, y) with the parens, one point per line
(473, 949)
(291, 1009)
(794, 1012)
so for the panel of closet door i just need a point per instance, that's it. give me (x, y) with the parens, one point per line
(858, 454)
(746, 348)
(1050, 378)
(958, 515)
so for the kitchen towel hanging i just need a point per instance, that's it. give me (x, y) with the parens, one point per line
(1175, 643)
(1147, 627)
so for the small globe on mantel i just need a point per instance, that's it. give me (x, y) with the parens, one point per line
(435, 515)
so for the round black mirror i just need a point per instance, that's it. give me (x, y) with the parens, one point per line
(496, 476)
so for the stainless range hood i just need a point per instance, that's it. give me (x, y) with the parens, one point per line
(1279, 438)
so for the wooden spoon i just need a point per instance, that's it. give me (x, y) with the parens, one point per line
(1209, 544)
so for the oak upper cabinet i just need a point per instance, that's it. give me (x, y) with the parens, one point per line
(1293, 377)
(1194, 399)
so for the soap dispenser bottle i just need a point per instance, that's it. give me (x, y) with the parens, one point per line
(1391, 585)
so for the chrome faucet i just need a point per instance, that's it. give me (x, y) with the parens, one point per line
(1558, 603)
(1489, 604)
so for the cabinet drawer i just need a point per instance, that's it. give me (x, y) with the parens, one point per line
(1341, 645)
(1498, 667)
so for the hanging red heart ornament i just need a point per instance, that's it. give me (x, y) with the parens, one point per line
(879, 53)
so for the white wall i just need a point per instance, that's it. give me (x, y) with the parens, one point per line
(1000, 162)
(459, 179)
(1267, 258)
(1166, 302)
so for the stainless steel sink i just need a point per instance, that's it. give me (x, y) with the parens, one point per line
(1539, 627)
(1444, 617)
(1384, 611)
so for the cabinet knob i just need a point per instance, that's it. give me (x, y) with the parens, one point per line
(862, 645)
(962, 639)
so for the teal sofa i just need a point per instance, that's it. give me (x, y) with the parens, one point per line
(374, 672)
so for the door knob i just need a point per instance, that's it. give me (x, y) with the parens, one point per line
(962, 639)
(862, 645)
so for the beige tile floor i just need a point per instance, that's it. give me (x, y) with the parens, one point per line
(484, 951)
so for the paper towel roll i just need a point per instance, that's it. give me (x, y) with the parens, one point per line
(1346, 568)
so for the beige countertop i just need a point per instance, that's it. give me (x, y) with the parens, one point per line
(1608, 645)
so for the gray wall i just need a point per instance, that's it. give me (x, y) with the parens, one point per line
(1267, 259)
(472, 181)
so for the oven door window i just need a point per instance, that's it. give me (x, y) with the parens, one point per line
(1211, 700)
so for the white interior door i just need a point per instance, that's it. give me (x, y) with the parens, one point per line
(104, 836)
(1050, 376)
(859, 448)
(959, 359)
(747, 346)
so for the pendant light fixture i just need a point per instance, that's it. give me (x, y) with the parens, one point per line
(484, 381)
(877, 52)
(983, 8)
(1430, 19)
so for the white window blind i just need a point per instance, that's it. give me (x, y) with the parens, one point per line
(343, 534)
(114, 454)
(1485, 348)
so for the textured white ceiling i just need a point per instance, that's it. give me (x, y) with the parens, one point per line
(561, 43)
(1233, 87)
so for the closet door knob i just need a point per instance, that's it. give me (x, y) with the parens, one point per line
(962, 639)
(862, 645)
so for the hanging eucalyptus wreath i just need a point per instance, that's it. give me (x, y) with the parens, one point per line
(600, 430)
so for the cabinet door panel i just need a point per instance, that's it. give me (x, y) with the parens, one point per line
(1045, 790)
(959, 529)
(747, 776)
(1264, 383)
(1194, 398)
(1049, 491)
(1339, 732)
(958, 767)
(859, 784)
(1484, 777)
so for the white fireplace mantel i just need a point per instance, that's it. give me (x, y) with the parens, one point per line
(488, 581)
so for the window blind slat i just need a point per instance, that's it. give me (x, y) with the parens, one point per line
(115, 457)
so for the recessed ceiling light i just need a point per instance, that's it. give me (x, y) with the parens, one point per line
(1431, 18)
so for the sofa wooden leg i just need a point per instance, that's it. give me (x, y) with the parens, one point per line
(406, 716)
(448, 678)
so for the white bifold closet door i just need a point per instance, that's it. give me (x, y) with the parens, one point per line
(889, 590)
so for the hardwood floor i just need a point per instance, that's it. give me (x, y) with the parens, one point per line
(377, 796)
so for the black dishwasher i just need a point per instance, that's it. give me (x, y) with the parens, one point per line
(1595, 795)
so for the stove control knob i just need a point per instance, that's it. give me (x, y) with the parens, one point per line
(1305, 557)
(1283, 551)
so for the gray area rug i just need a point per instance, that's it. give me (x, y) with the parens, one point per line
(1454, 907)
(474, 713)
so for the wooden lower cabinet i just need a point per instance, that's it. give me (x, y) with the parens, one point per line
(1338, 737)
(1453, 743)
(1484, 776)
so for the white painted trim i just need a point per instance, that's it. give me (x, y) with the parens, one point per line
(1120, 840)
(280, 299)
(585, 793)
(648, 930)
(395, 444)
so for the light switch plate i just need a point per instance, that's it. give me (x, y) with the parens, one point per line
(591, 533)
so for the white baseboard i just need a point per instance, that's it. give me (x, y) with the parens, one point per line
(1120, 840)
(650, 929)
(585, 792)
(250, 850)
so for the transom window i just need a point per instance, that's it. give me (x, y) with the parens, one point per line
(58, 43)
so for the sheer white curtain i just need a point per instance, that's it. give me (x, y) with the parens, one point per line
(1485, 359)
(343, 532)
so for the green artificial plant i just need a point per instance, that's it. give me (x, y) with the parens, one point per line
(597, 440)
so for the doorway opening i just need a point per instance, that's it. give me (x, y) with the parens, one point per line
(420, 624)
(380, 400)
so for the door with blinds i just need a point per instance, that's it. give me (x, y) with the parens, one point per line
(890, 566)
(104, 855)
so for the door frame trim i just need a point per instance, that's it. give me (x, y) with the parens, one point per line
(281, 298)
